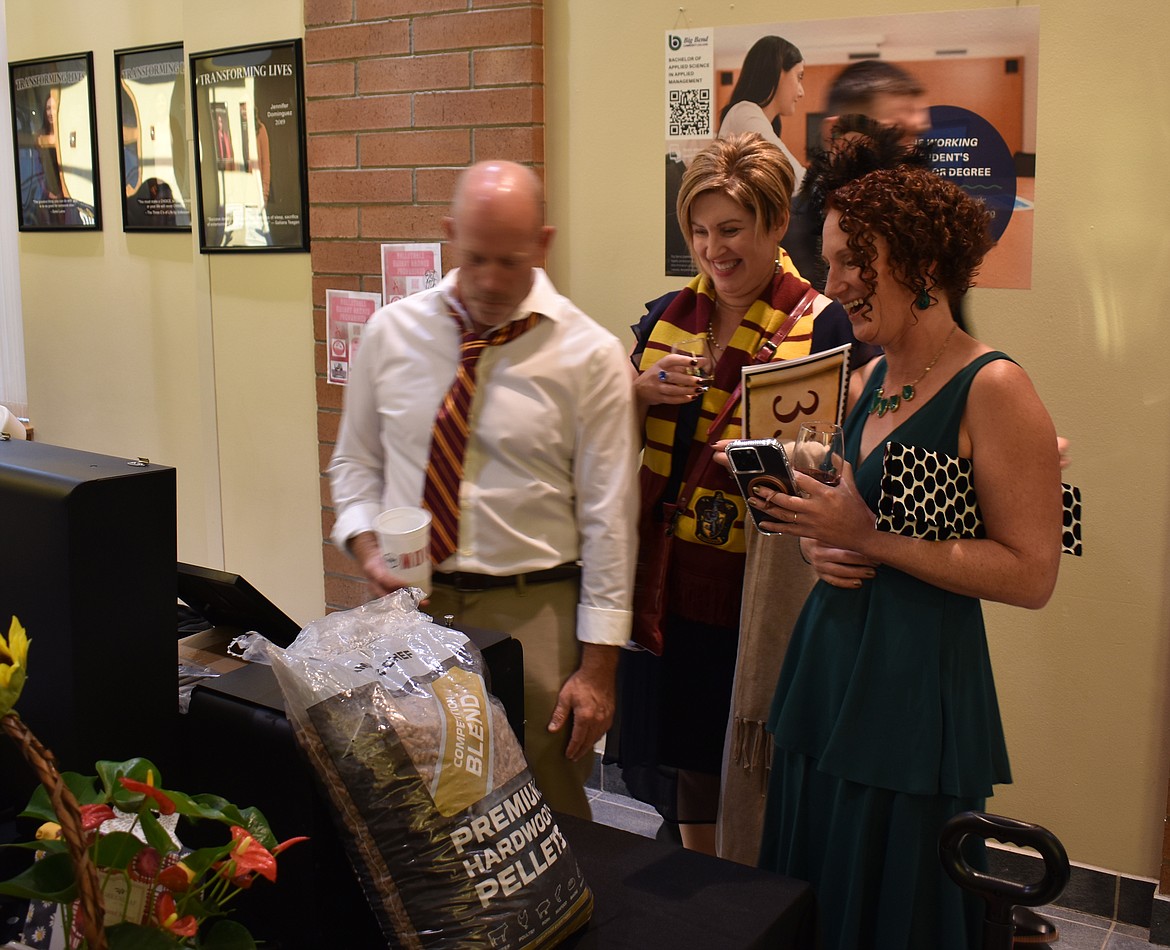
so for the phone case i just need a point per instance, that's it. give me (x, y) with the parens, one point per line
(756, 462)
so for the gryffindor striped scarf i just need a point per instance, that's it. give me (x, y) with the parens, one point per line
(706, 569)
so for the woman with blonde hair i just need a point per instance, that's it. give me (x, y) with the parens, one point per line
(733, 206)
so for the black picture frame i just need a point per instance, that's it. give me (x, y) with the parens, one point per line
(54, 141)
(152, 138)
(248, 118)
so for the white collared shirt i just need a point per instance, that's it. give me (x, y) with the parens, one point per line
(550, 474)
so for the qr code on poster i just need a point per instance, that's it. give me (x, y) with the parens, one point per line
(690, 112)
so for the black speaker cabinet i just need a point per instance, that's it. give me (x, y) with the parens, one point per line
(87, 563)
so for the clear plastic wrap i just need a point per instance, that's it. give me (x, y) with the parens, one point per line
(447, 830)
(191, 674)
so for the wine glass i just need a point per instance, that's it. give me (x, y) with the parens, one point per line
(819, 451)
(697, 348)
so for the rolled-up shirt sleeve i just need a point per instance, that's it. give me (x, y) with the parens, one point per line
(356, 470)
(606, 488)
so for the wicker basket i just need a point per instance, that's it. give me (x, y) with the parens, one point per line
(41, 760)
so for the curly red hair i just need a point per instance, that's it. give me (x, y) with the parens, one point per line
(936, 234)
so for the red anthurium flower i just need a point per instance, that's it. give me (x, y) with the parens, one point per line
(285, 845)
(169, 919)
(165, 805)
(177, 877)
(247, 857)
(92, 816)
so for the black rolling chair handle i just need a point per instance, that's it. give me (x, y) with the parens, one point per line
(1000, 895)
(1008, 831)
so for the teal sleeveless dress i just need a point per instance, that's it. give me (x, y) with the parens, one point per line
(885, 724)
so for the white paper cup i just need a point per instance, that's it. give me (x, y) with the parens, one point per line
(404, 535)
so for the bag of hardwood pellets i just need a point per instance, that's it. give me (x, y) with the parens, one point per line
(450, 837)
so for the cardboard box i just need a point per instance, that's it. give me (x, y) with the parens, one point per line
(209, 648)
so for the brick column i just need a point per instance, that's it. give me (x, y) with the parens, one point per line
(402, 94)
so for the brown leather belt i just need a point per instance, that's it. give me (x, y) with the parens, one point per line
(466, 582)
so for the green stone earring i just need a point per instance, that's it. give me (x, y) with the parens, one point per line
(922, 301)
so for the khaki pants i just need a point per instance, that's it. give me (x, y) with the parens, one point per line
(543, 617)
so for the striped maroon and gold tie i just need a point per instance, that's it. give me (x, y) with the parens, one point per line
(449, 439)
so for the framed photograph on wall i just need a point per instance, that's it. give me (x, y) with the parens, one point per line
(152, 134)
(249, 122)
(54, 137)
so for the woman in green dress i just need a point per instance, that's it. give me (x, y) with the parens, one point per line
(885, 719)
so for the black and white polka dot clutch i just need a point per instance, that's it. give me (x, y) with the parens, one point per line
(931, 496)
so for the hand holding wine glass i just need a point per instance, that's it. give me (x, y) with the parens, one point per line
(819, 452)
(698, 350)
(680, 378)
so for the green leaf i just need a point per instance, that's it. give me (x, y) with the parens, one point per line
(201, 806)
(83, 787)
(138, 937)
(156, 835)
(137, 769)
(140, 770)
(50, 879)
(116, 850)
(199, 861)
(227, 935)
(215, 802)
(49, 847)
(225, 811)
(198, 908)
(257, 826)
(184, 804)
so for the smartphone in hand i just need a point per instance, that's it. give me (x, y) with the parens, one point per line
(760, 462)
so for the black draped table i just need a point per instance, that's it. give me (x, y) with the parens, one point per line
(649, 894)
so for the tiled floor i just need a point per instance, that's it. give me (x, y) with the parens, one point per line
(1085, 932)
(1077, 931)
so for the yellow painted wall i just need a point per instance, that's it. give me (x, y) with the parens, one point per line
(138, 345)
(1083, 683)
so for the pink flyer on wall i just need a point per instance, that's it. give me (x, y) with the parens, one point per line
(346, 313)
(407, 268)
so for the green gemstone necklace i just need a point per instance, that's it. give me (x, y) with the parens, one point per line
(882, 404)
